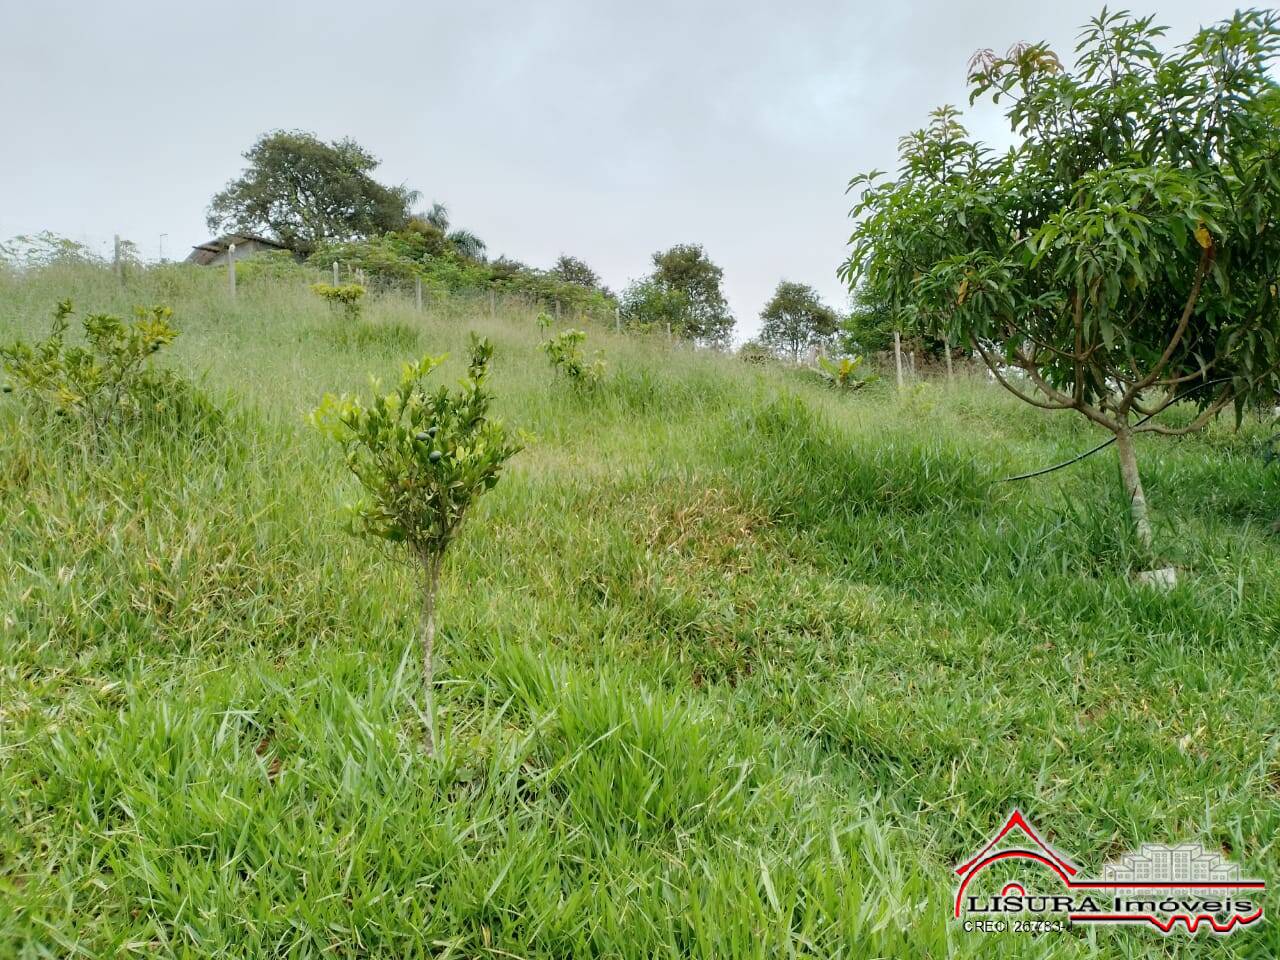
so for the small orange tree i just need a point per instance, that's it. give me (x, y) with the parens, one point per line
(345, 297)
(423, 458)
(564, 350)
(102, 384)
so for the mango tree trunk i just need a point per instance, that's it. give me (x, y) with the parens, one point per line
(1133, 489)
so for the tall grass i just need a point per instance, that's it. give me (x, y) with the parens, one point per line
(733, 666)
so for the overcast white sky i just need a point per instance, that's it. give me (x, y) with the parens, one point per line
(606, 130)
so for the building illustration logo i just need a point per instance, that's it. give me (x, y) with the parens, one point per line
(1169, 887)
(1156, 861)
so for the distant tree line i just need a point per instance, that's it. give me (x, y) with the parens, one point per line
(322, 201)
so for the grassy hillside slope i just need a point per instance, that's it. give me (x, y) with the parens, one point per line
(732, 666)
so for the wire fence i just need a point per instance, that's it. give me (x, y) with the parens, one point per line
(904, 364)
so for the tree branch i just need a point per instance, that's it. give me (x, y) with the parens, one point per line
(995, 370)
(1066, 402)
(1225, 397)
(1206, 258)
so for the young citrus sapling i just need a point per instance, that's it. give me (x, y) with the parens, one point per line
(564, 350)
(346, 297)
(102, 384)
(423, 458)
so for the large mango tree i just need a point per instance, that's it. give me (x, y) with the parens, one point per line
(1123, 255)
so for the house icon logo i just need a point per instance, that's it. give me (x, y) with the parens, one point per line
(1169, 887)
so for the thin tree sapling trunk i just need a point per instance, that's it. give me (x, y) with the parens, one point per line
(432, 584)
(1133, 488)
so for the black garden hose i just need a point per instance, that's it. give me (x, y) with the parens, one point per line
(1106, 443)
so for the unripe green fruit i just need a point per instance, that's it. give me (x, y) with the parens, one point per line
(422, 436)
(435, 456)
(7, 388)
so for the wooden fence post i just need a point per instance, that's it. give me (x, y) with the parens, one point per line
(897, 356)
(116, 263)
(337, 281)
(947, 345)
(231, 270)
(617, 319)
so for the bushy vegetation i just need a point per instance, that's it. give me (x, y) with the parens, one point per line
(572, 270)
(570, 362)
(265, 268)
(321, 201)
(104, 385)
(842, 373)
(397, 259)
(345, 298)
(871, 322)
(435, 228)
(46, 249)
(734, 667)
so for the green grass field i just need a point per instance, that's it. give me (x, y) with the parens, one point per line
(732, 666)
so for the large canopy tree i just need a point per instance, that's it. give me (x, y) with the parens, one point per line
(683, 295)
(687, 271)
(302, 191)
(795, 318)
(1124, 254)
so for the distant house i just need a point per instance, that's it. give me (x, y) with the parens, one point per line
(214, 252)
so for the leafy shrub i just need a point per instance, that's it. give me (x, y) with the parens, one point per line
(572, 270)
(345, 297)
(843, 375)
(567, 359)
(756, 353)
(649, 306)
(423, 460)
(106, 383)
(920, 398)
(409, 255)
